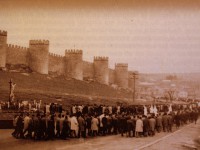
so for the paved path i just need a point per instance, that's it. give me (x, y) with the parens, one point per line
(162, 140)
(182, 139)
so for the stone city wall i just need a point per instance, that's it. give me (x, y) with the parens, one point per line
(56, 64)
(16, 55)
(38, 58)
(88, 70)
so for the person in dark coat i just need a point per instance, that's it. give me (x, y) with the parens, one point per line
(129, 126)
(114, 124)
(177, 119)
(123, 125)
(104, 122)
(88, 120)
(170, 123)
(43, 127)
(65, 130)
(37, 127)
(165, 122)
(20, 127)
(81, 123)
(152, 124)
(51, 127)
(109, 123)
(134, 124)
(145, 126)
(159, 123)
(196, 115)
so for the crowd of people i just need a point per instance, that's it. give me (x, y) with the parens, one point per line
(91, 121)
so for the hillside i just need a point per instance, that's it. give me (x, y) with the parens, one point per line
(30, 86)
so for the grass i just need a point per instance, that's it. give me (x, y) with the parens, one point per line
(52, 89)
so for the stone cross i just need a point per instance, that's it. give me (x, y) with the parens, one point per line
(12, 88)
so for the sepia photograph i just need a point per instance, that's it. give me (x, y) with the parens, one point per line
(99, 74)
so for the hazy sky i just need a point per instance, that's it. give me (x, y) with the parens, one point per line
(150, 35)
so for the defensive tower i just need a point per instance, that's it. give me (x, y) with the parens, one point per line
(3, 45)
(39, 55)
(121, 75)
(74, 64)
(101, 71)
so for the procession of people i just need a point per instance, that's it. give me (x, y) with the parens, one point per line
(100, 120)
(49, 121)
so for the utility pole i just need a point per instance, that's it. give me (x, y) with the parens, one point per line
(134, 77)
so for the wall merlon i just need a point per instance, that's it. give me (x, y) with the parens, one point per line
(39, 42)
(3, 33)
(100, 58)
(55, 55)
(121, 65)
(16, 47)
(73, 51)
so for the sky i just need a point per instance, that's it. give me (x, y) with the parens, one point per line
(152, 36)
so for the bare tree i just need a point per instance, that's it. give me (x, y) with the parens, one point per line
(170, 94)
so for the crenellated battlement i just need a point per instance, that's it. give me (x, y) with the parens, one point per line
(3, 33)
(121, 65)
(39, 42)
(100, 58)
(12, 46)
(72, 65)
(73, 51)
(55, 55)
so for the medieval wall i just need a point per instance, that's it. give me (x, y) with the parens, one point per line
(88, 70)
(56, 64)
(16, 55)
(74, 64)
(39, 56)
(3, 42)
(111, 76)
(101, 72)
(130, 80)
(121, 75)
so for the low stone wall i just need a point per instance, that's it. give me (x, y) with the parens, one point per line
(6, 124)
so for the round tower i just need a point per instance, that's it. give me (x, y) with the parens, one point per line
(74, 64)
(3, 45)
(121, 75)
(39, 56)
(101, 71)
